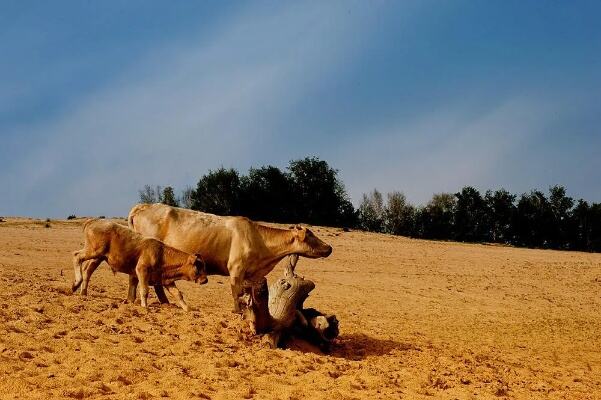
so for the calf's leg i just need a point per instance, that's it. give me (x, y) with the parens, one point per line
(143, 283)
(87, 274)
(179, 298)
(133, 283)
(79, 257)
(131, 291)
(161, 294)
(76, 271)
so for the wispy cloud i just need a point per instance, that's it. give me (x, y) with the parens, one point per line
(398, 96)
(445, 150)
(192, 105)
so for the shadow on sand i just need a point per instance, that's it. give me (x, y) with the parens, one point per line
(355, 346)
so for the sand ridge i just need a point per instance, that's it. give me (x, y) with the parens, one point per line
(418, 319)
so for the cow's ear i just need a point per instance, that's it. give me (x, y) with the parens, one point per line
(192, 259)
(301, 233)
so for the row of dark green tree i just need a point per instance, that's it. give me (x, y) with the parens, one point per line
(310, 191)
(533, 219)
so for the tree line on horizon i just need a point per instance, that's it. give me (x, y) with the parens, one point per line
(310, 191)
(532, 219)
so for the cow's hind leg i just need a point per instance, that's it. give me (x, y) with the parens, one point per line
(179, 298)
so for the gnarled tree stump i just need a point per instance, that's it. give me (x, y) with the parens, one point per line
(278, 310)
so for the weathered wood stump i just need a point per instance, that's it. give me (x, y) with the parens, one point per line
(254, 302)
(278, 310)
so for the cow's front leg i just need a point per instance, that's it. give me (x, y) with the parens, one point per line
(236, 284)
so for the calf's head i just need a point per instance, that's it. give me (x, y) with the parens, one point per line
(198, 269)
(308, 244)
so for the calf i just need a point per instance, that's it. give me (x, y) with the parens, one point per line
(146, 260)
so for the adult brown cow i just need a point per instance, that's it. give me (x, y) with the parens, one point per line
(231, 246)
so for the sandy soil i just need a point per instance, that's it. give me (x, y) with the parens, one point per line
(419, 319)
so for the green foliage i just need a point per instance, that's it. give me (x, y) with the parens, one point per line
(169, 197)
(319, 196)
(399, 215)
(372, 212)
(436, 220)
(218, 192)
(396, 216)
(500, 209)
(470, 216)
(533, 220)
(310, 191)
(268, 195)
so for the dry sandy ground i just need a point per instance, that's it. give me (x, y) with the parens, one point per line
(419, 319)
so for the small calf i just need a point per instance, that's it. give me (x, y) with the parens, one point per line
(146, 260)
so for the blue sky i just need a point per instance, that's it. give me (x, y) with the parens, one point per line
(98, 99)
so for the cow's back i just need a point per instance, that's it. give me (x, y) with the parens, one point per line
(121, 246)
(186, 230)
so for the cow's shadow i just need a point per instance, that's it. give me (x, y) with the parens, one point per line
(353, 346)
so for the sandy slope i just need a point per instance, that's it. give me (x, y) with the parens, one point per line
(418, 319)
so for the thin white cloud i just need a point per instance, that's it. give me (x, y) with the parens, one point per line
(187, 107)
(444, 150)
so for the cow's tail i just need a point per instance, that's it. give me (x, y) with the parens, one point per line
(133, 212)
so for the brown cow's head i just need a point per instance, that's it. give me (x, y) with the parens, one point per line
(199, 269)
(308, 244)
